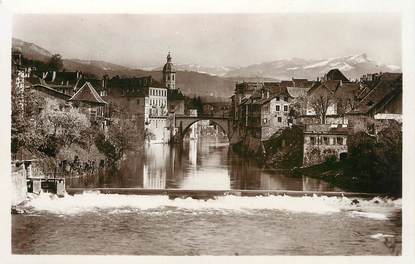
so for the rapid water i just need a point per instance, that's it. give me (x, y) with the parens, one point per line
(99, 224)
(93, 223)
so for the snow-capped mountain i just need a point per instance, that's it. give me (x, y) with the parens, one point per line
(352, 66)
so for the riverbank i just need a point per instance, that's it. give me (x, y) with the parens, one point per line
(340, 175)
(373, 162)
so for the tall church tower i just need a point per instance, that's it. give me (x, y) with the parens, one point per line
(169, 74)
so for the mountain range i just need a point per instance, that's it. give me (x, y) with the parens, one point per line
(353, 67)
(217, 83)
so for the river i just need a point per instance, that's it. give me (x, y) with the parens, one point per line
(199, 164)
(93, 223)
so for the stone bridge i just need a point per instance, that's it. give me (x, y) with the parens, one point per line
(183, 123)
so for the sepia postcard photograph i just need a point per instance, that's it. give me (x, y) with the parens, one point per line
(182, 132)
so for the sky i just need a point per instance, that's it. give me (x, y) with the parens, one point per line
(136, 40)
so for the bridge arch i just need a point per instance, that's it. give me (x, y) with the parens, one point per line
(184, 123)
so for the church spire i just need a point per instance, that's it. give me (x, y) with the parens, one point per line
(169, 74)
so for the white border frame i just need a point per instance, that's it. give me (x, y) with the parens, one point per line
(405, 7)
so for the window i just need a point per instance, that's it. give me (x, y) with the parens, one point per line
(326, 141)
(172, 77)
(312, 140)
(285, 108)
(339, 141)
(277, 108)
(168, 77)
(286, 98)
(279, 119)
(277, 98)
(138, 101)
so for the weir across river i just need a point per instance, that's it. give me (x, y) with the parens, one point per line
(207, 194)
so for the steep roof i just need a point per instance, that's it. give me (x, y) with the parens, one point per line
(87, 93)
(51, 91)
(336, 74)
(296, 92)
(330, 86)
(96, 83)
(326, 129)
(347, 90)
(135, 82)
(302, 83)
(389, 86)
(287, 83)
(62, 78)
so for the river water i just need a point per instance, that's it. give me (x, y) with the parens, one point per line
(93, 223)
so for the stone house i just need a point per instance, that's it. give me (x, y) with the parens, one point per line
(322, 142)
(243, 91)
(275, 110)
(266, 111)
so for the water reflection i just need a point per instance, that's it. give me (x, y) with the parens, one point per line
(198, 164)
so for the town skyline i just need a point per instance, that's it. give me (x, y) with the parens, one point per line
(219, 42)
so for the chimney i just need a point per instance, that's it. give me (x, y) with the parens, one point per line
(104, 81)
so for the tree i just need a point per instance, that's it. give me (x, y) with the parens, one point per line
(45, 126)
(65, 124)
(55, 63)
(118, 140)
(346, 102)
(375, 161)
(320, 101)
(297, 107)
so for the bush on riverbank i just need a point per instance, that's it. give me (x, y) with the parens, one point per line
(374, 163)
(61, 138)
(285, 149)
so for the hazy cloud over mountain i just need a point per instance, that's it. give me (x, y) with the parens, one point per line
(213, 40)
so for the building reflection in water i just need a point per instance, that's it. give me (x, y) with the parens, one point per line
(154, 169)
(205, 167)
(198, 164)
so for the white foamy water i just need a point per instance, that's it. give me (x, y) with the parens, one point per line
(93, 201)
(380, 236)
(376, 216)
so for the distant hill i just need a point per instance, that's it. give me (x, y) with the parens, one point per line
(31, 51)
